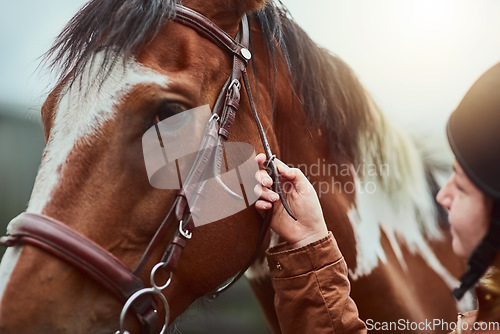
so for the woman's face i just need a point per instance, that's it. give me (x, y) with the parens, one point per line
(469, 211)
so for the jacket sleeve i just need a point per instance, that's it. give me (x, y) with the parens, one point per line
(312, 289)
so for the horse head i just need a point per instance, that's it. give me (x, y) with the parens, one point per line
(125, 66)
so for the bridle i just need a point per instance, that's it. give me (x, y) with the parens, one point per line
(61, 241)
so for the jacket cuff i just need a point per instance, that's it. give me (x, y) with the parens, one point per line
(285, 262)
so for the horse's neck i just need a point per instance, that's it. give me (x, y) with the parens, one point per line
(304, 145)
(384, 195)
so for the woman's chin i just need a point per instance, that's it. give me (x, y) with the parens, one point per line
(459, 250)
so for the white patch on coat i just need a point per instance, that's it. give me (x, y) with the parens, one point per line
(9, 261)
(402, 205)
(83, 108)
(260, 269)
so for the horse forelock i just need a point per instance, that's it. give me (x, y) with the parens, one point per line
(120, 28)
(115, 28)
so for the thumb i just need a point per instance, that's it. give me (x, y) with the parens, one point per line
(293, 175)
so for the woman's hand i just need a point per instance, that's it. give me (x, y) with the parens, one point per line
(302, 199)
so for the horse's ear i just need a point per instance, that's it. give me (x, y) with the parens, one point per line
(48, 110)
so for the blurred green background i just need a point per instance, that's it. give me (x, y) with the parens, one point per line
(21, 147)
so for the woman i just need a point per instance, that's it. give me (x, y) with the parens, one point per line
(308, 271)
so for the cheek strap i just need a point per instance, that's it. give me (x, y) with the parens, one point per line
(483, 256)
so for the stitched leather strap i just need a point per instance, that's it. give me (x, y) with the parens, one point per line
(206, 27)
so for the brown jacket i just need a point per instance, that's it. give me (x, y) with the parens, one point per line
(312, 293)
(312, 289)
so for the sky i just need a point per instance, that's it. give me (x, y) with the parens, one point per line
(416, 57)
(27, 29)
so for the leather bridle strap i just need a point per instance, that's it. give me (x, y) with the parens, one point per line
(224, 115)
(241, 57)
(203, 25)
(84, 254)
(272, 169)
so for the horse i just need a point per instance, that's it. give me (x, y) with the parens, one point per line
(123, 65)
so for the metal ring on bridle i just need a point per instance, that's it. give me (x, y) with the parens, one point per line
(152, 277)
(153, 291)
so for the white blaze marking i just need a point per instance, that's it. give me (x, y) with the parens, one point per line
(260, 269)
(81, 112)
(7, 265)
(83, 108)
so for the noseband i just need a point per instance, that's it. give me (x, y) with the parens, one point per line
(59, 240)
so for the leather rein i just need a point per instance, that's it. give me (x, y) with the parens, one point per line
(61, 241)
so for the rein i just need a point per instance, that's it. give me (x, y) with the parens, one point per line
(61, 241)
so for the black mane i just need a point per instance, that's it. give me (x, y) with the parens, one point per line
(117, 27)
(330, 93)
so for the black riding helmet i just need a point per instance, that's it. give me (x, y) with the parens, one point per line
(474, 135)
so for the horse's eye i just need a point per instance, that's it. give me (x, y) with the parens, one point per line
(171, 117)
(169, 109)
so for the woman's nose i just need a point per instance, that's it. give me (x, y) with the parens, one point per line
(444, 197)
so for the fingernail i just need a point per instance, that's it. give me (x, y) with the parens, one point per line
(274, 197)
